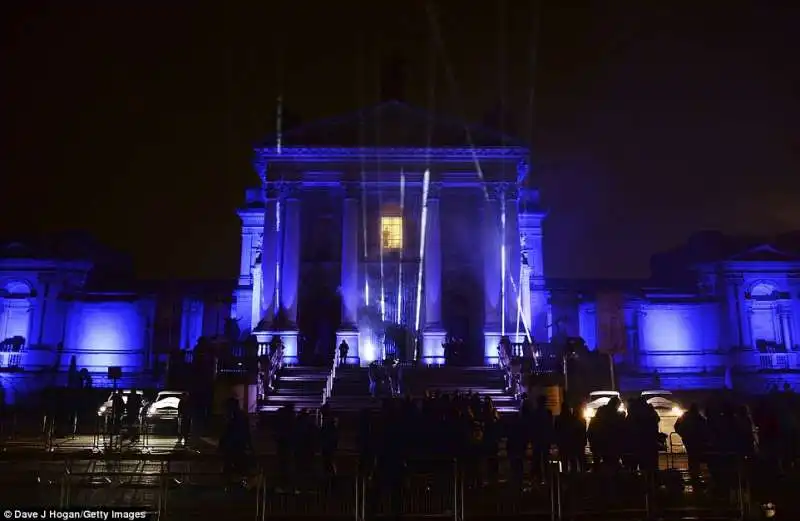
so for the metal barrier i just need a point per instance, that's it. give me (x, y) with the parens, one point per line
(109, 433)
(181, 485)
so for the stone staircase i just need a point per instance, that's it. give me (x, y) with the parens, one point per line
(351, 387)
(301, 385)
(351, 391)
(486, 381)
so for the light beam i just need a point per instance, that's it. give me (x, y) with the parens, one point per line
(279, 256)
(364, 232)
(503, 265)
(519, 310)
(400, 263)
(425, 183)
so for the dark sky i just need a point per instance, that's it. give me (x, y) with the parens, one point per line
(135, 120)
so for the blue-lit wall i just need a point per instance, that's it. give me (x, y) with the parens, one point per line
(110, 333)
(680, 337)
(741, 329)
(30, 307)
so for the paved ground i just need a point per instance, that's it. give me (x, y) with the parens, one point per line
(156, 474)
(192, 485)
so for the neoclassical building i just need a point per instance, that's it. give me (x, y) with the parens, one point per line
(392, 216)
(65, 297)
(440, 238)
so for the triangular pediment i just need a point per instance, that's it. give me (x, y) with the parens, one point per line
(392, 124)
(765, 253)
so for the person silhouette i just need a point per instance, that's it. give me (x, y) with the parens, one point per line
(344, 349)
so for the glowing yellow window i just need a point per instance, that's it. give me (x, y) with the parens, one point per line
(391, 233)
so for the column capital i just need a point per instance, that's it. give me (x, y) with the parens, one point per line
(282, 189)
(260, 166)
(507, 191)
(510, 191)
(258, 243)
(523, 168)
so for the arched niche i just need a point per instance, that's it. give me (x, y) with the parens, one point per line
(15, 320)
(17, 289)
(763, 291)
(766, 325)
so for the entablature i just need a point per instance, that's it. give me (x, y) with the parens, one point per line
(755, 267)
(495, 163)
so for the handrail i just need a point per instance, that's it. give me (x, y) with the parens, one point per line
(326, 393)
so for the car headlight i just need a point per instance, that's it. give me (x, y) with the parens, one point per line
(588, 413)
(151, 410)
(677, 411)
(102, 410)
(622, 409)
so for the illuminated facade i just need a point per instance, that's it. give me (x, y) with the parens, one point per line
(402, 215)
(426, 231)
(729, 319)
(65, 298)
(391, 216)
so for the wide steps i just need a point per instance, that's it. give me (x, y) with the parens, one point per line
(354, 403)
(290, 391)
(351, 386)
(298, 385)
(350, 389)
(309, 372)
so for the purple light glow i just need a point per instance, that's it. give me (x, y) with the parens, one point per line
(103, 334)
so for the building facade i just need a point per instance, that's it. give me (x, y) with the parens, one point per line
(417, 234)
(391, 216)
(66, 300)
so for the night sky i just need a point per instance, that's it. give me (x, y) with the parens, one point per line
(135, 120)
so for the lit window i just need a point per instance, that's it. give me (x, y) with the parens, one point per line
(391, 233)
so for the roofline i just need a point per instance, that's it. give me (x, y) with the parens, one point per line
(34, 263)
(311, 153)
(760, 265)
(365, 111)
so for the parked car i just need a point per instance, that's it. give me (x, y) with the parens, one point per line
(668, 411)
(664, 403)
(598, 399)
(105, 408)
(165, 406)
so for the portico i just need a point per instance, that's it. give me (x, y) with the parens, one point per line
(385, 246)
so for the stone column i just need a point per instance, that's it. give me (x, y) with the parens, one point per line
(513, 262)
(290, 263)
(433, 335)
(734, 312)
(530, 228)
(491, 276)
(525, 294)
(269, 256)
(348, 331)
(285, 272)
(786, 332)
(246, 264)
(247, 307)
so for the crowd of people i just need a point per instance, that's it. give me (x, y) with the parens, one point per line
(409, 435)
(385, 378)
(766, 436)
